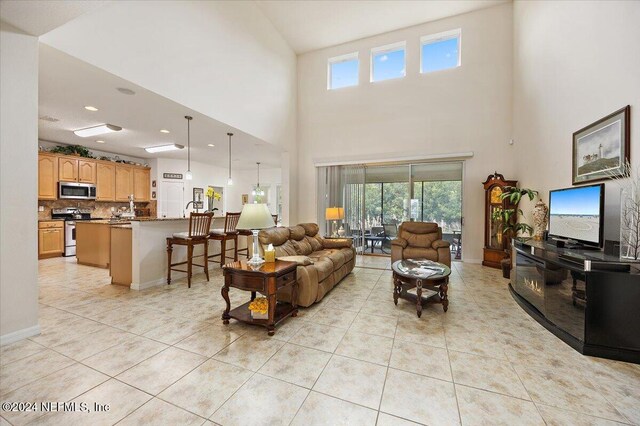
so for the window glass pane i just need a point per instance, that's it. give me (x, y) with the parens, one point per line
(344, 74)
(388, 65)
(373, 205)
(442, 204)
(440, 55)
(396, 204)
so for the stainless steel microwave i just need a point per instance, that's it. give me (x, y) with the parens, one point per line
(76, 191)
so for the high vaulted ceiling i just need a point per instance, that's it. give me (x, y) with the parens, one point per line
(67, 85)
(312, 25)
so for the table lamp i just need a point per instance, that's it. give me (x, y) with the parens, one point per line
(255, 217)
(334, 214)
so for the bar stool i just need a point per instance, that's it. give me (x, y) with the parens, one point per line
(223, 235)
(199, 224)
(249, 234)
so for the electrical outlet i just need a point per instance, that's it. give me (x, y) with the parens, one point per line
(40, 208)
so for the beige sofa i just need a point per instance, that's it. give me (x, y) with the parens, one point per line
(420, 240)
(322, 263)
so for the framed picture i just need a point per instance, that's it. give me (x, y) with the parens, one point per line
(153, 195)
(153, 183)
(601, 149)
(198, 198)
(245, 199)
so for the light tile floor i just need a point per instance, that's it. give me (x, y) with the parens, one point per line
(162, 356)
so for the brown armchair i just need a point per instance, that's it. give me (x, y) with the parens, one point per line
(420, 240)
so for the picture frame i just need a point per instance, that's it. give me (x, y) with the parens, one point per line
(245, 199)
(601, 149)
(198, 198)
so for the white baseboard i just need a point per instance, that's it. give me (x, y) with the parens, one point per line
(472, 261)
(19, 335)
(149, 284)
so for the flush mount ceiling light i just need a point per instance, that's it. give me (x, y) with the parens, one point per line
(188, 175)
(164, 148)
(229, 181)
(91, 108)
(164, 131)
(125, 91)
(97, 130)
(211, 145)
(99, 141)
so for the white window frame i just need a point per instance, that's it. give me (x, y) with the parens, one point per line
(342, 58)
(445, 35)
(388, 48)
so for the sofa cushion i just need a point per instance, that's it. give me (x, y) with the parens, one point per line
(420, 253)
(286, 249)
(338, 258)
(347, 253)
(275, 236)
(314, 243)
(296, 233)
(310, 229)
(303, 247)
(300, 260)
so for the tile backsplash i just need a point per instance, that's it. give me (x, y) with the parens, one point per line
(99, 209)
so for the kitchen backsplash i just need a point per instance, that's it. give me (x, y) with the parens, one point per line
(98, 209)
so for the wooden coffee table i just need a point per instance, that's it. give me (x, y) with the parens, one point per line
(266, 279)
(409, 274)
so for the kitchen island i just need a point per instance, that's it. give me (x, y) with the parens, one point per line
(93, 242)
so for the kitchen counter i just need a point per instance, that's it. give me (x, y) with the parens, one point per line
(159, 219)
(104, 222)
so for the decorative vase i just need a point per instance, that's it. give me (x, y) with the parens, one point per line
(630, 223)
(341, 231)
(540, 212)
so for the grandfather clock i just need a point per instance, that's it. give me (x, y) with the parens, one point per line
(496, 244)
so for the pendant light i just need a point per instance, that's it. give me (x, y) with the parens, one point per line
(188, 175)
(229, 181)
(257, 191)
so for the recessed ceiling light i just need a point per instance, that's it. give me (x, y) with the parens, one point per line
(211, 145)
(125, 91)
(97, 130)
(99, 141)
(164, 131)
(163, 148)
(90, 108)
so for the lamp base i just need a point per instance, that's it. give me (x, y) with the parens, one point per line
(255, 261)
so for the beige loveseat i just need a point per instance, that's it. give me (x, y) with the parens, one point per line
(322, 263)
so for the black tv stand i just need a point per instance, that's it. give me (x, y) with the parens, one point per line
(588, 299)
(570, 244)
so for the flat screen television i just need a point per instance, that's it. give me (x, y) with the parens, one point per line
(577, 214)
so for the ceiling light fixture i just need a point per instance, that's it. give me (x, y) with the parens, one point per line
(164, 148)
(211, 145)
(257, 191)
(99, 141)
(164, 131)
(97, 130)
(229, 181)
(125, 91)
(90, 108)
(188, 175)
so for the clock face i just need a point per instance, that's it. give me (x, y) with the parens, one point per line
(495, 194)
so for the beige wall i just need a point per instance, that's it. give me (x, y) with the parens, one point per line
(464, 109)
(574, 63)
(18, 196)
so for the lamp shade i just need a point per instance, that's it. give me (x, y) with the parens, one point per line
(334, 213)
(255, 216)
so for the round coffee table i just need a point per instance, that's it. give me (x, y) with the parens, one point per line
(428, 279)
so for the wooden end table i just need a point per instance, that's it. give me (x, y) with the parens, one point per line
(266, 279)
(408, 274)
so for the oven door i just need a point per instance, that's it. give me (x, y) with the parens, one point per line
(76, 191)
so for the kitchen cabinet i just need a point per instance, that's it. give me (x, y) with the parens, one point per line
(124, 182)
(47, 177)
(93, 243)
(141, 184)
(67, 169)
(87, 171)
(105, 182)
(50, 238)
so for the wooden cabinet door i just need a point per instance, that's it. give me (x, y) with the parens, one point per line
(105, 182)
(86, 171)
(124, 182)
(141, 184)
(47, 177)
(67, 169)
(50, 241)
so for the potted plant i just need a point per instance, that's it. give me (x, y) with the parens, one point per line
(77, 150)
(510, 223)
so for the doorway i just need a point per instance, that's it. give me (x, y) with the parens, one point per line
(172, 199)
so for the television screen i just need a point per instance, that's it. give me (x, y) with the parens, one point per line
(577, 213)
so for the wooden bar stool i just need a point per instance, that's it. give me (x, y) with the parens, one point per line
(249, 234)
(199, 225)
(223, 235)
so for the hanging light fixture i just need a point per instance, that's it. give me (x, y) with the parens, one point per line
(188, 175)
(257, 191)
(229, 181)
